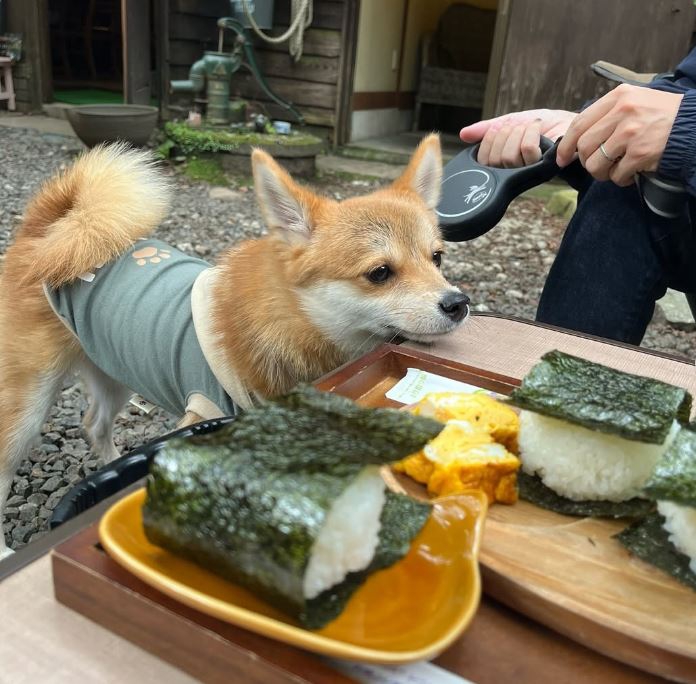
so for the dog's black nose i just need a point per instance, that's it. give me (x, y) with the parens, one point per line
(454, 305)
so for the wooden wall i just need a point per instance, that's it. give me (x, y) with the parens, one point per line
(32, 75)
(549, 45)
(313, 84)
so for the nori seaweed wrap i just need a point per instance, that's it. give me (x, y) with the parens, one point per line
(602, 398)
(674, 476)
(592, 433)
(667, 539)
(288, 501)
(532, 489)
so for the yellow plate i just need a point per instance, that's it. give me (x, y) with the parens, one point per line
(411, 611)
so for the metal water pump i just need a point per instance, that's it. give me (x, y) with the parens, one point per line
(213, 72)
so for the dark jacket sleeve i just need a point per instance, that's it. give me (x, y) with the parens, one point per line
(679, 158)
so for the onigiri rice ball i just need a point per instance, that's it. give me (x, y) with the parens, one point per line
(583, 464)
(680, 522)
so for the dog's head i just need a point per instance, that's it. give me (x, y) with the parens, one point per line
(366, 268)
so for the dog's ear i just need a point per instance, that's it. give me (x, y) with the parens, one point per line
(285, 206)
(423, 175)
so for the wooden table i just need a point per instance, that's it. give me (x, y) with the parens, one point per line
(41, 640)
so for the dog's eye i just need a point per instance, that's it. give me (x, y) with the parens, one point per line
(437, 258)
(380, 274)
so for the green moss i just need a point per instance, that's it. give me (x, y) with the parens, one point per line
(206, 170)
(164, 150)
(545, 191)
(197, 140)
(238, 111)
(563, 203)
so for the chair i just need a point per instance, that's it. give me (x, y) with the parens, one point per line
(6, 84)
(614, 72)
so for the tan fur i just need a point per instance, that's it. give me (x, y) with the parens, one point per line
(33, 345)
(287, 307)
(267, 337)
(91, 213)
(85, 216)
(268, 340)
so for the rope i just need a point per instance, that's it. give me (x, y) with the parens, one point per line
(301, 15)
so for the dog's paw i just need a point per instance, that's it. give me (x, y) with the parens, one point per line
(5, 552)
(150, 255)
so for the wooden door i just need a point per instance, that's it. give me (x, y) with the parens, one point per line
(135, 18)
(543, 48)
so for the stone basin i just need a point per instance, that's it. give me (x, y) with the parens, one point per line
(96, 124)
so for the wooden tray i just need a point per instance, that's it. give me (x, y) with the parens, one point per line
(499, 646)
(565, 572)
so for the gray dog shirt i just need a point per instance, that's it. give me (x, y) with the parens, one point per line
(135, 321)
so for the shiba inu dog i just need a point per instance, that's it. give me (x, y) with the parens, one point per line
(85, 289)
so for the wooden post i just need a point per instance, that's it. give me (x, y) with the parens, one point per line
(346, 71)
(495, 67)
(161, 23)
(135, 22)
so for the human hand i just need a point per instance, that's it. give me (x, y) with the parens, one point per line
(622, 133)
(513, 139)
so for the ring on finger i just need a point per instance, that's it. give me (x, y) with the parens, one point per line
(609, 158)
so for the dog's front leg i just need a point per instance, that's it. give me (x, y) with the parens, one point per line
(189, 419)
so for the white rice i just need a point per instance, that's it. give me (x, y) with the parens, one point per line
(348, 540)
(680, 522)
(582, 464)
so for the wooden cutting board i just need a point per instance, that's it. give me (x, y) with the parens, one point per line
(567, 573)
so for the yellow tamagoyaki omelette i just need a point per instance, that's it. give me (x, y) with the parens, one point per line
(473, 451)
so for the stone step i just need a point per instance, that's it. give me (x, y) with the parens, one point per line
(45, 125)
(329, 163)
(56, 110)
(676, 310)
(382, 156)
(368, 154)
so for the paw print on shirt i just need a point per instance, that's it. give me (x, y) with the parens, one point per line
(151, 255)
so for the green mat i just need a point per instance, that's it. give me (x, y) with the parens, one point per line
(87, 96)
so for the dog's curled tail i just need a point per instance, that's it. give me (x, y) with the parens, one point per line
(92, 212)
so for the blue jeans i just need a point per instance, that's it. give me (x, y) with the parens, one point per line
(608, 272)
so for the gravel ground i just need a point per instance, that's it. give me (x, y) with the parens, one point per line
(502, 271)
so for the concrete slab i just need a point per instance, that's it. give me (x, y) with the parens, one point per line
(676, 310)
(399, 146)
(38, 122)
(56, 110)
(329, 163)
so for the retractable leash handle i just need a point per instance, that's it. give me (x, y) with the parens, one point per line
(475, 197)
